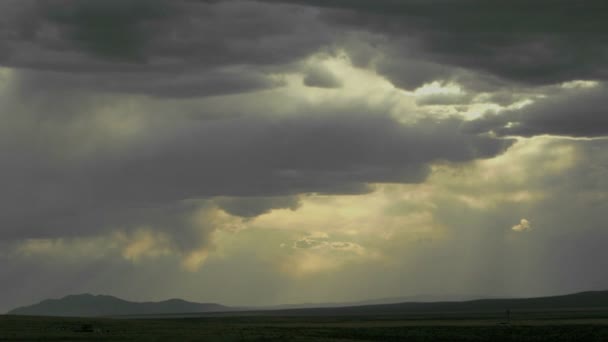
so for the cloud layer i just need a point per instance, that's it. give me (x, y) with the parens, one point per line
(263, 152)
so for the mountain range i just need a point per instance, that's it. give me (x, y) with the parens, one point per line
(88, 305)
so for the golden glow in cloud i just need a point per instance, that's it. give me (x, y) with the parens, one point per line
(144, 243)
(523, 226)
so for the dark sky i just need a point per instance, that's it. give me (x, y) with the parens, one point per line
(264, 152)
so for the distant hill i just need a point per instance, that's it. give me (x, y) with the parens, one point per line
(368, 302)
(87, 305)
(578, 301)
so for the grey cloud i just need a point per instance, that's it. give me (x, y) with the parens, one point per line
(181, 35)
(322, 77)
(220, 280)
(411, 74)
(255, 206)
(116, 29)
(180, 219)
(536, 43)
(507, 97)
(201, 84)
(341, 152)
(480, 254)
(66, 174)
(482, 44)
(160, 47)
(576, 113)
(107, 274)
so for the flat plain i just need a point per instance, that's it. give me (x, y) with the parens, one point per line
(527, 326)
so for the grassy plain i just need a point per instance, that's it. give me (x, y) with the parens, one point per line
(538, 327)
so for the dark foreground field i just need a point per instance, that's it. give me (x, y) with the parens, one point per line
(526, 328)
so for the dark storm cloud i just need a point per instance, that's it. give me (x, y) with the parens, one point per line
(412, 74)
(111, 28)
(168, 35)
(94, 174)
(540, 42)
(162, 85)
(481, 44)
(575, 113)
(159, 47)
(46, 194)
(255, 206)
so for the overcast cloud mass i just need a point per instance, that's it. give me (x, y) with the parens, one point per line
(265, 152)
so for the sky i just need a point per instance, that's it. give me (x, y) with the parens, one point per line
(262, 152)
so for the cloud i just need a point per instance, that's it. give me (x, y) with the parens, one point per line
(255, 206)
(577, 112)
(523, 226)
(442, 95)
(159, 47)
(138, 136)
(199, 84)
(321, 77)
(315, 255)
(143, 244)
(186, 236)
(468, 242)
(205, 45)
(308, 243)
(158, 174)
(326, 243)
(505, 40)
(566, 187)
(113, 29)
